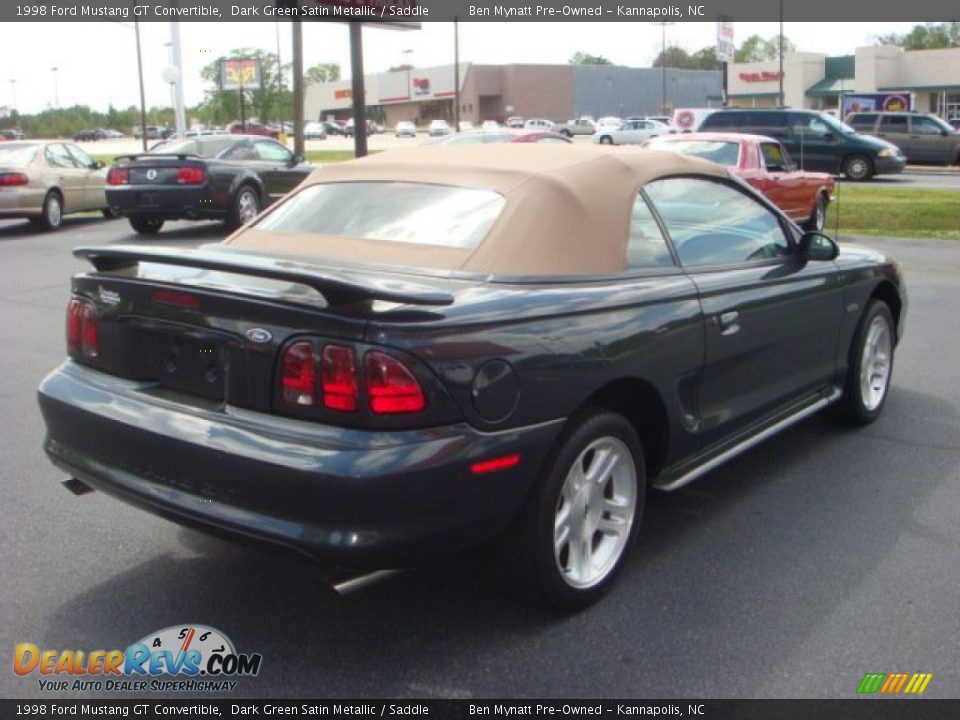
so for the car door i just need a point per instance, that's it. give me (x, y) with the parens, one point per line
(771, 321)
(277, 169)
(812, 144)
(67, 175)
(94, 180)
(896, 129)
(785, 188)
(930, 141)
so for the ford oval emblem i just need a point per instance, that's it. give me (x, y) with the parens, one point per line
(151, 174)
(259, 335)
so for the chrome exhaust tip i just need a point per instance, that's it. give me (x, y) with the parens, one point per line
(77, 487)
(359, 582)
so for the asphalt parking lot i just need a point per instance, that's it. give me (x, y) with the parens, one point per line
(819, 556)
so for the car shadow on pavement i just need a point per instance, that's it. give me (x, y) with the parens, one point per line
(730, 576)
(181, 232)
(16, 230)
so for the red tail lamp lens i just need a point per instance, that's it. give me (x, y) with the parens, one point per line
(13, 179)
(190, 175)
(82, 329)
(118, 176)
(298, 379)
(340, 378)
(392, 387)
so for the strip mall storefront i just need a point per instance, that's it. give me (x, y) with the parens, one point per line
(815, 81)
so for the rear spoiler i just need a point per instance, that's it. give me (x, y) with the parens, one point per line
(179, 156)
(336, 288)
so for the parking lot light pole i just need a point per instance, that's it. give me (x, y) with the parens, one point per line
(13, 92)
(56, 91)
(663, 64)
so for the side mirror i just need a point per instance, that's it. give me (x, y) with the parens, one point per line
(817, 246)
(828, 135)
(296, 159)
(791, 166)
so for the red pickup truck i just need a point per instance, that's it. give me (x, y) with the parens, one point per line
(766, 165)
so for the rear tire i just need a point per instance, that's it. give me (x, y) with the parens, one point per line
(109, 213)
(606, 140)
(869, 368)
(577, 527)
(146, 224)
(245, 207)
(51, 216)
(858, 167)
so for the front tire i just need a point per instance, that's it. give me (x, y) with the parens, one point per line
(818, 219)
(579, 524)
(146, 224)
(858, 167)
(606, 140)
(51, 214)
(870, 367)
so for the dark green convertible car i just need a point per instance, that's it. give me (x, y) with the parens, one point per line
(431, 348)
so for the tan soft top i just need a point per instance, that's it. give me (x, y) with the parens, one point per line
(567, 208)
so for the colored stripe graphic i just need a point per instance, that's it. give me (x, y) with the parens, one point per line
(871, 682)
(894, 683)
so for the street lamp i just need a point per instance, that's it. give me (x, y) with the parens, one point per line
(13, 91)
(56, 92)
(663, 64)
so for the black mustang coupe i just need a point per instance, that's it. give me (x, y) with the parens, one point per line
(430, 348)
(221, 177)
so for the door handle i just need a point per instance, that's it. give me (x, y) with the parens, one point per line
(728, 322)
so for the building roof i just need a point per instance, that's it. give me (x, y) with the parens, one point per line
(567, 208)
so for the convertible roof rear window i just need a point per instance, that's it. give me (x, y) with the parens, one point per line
(402, 212)
(721, 152)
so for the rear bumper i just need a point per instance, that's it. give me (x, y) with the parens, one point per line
(165, 201)
(354, 498)
(21, 202)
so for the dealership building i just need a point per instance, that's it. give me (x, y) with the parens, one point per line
(495, 92)
(812, 80)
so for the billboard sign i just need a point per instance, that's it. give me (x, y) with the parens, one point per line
(240, 74)
(725, 46)
(865, 102)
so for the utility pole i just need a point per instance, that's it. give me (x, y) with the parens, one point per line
(456, 74)
(357, 90)
(56, 90)
(180, 115)
(780, 53)
(663, 65)
(298, 144)
(143, 100)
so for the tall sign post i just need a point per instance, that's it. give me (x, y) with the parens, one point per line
(240, 74)
(725, 50)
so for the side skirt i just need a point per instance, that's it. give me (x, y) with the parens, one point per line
(676, 480)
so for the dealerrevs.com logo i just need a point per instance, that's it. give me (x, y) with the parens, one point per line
(181, 658)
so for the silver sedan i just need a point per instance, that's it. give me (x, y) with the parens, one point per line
(632, 132)
(44, 181)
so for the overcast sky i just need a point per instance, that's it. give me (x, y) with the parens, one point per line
(97, 61)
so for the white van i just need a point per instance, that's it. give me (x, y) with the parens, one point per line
(689, 119)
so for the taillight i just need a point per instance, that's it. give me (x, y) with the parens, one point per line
(118, 176)
(298, 374)
(190, 175)
(339, 378)
(12, 179)
(82, 328)
(391, 386)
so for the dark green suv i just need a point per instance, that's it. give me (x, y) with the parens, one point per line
(817, 141)
(922, 138)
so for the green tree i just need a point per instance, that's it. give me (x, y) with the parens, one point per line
(400, 68)
(929, 36)
(673, 57)
(582, 58)
(324, 72)
(758, 49)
